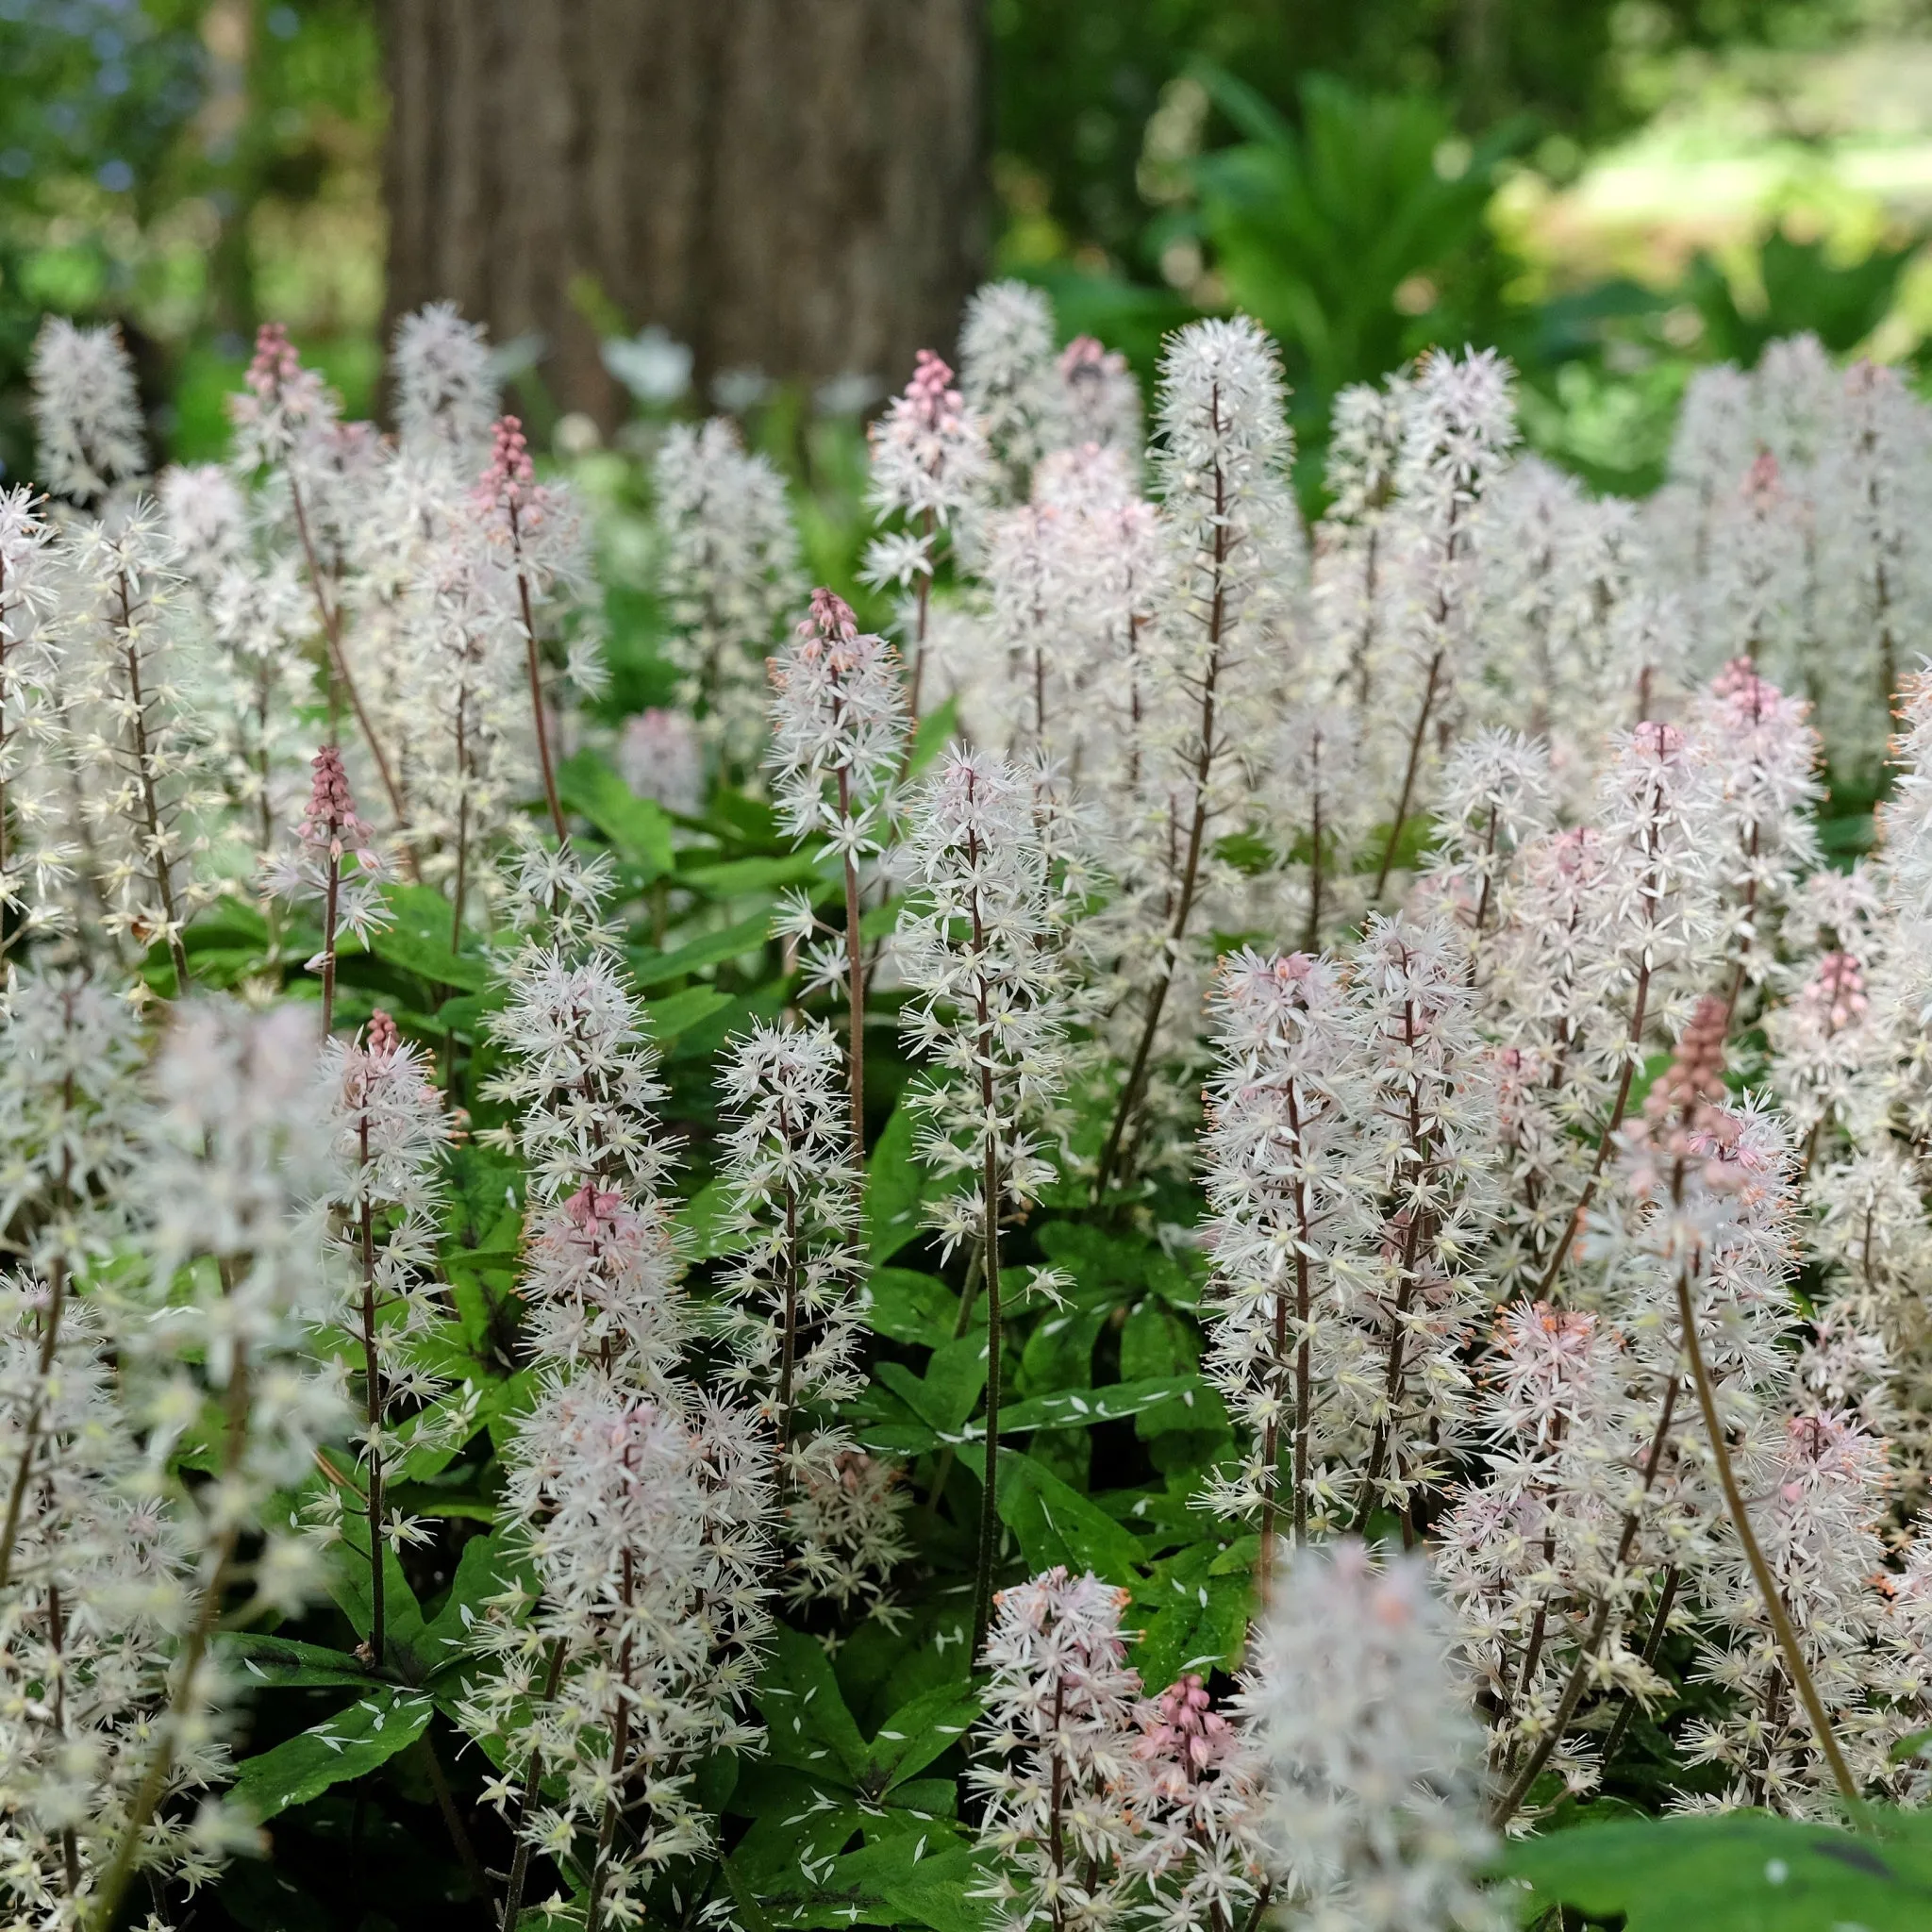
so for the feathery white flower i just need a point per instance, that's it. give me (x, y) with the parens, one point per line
(1056, 1750)
(446, 395)
(1372, 1757)
(729, 572)
(87, 413)
(1275, 1150)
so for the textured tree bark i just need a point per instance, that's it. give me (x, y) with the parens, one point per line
(791, 185)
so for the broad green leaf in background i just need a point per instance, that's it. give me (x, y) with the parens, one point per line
(738, 878)
(919, 1732)
(348, 1745)
(1740, 1872)
(417, 939)
(1055, 1524)
(705, 1223)
(924, 1880)
(1157, 1341)
(349, 1585)
(894, 1186)
(483, 1570)
(946, 1395)
(1194, 1609)
(637, 826)
(710, 949)
(935, 732)
(807, 1725)
(679, 1012)
(1079, 1409)
(283, 1662)
(910, 1306)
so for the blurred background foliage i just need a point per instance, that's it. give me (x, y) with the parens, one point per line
(1610, 189)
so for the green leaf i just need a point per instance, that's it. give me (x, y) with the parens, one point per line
(808, 1726)
(417, 939)
(894, 1188)
(947, 1392)
(929, 1883)
(349, 1745)
(350, 1585)
(706, 1224)
(910, 1306)
(919, 1732)
(467, 1013)
(751, 1915)
(799, 1827)
(1910, 1747)
(935, 732)
(483, 1570)
(1156, 1341)
(637, 826)
(683, 1010)
(737, 879)
(881, 921)
(1740, 1872)
(229, 921)
(1079, 1408)
(1055, 1524)
(1059, 1353)
(285, 1664)
(711, 949)
(1200, 1599)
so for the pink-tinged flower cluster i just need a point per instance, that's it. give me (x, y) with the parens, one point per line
(838, 727)
(642, 1520)
(508, 482)
(601, 1278)
(661, 758)
(285, 412)
(333, 863)
(929, 455)
(1197, 1809)
(1763, 758)
(330, 824)
(1102, 399)
(1822, 1482)
(980, 953)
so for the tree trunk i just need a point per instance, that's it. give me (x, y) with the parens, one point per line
(793, 185)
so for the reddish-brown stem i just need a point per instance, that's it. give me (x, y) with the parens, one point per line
(331, 913)
(331, 617)
(150, 801)
(535, 667)
(1409, 775)
(30, 1434)
(1197, 833)
(1659, 1622)
(1421, 1142)
(372, 1375)
(854, 978)
(789, 1356)
(114, 1881)
(921, 619)
(620, 1746)
(1796, 1669)
(526, 1798)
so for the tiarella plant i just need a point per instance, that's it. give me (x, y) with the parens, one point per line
(1180, 1223)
